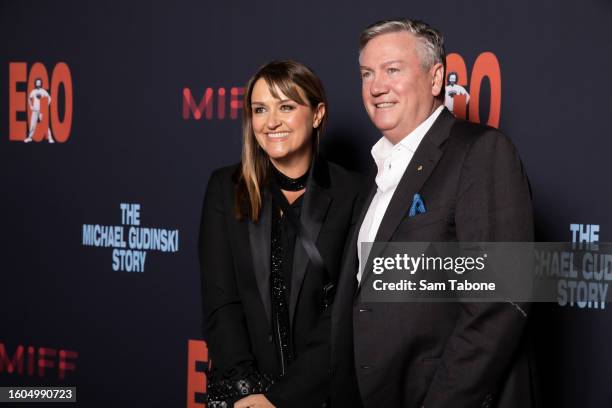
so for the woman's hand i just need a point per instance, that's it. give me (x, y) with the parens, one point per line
(254, 401)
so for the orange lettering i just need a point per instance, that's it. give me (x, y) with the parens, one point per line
(196, 379)
(17, 100)
(486, 65)
(61, 128)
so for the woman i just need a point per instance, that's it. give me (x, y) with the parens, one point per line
(271, 242)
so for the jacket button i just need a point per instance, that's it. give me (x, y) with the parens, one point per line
(366, 367)
(365, 310)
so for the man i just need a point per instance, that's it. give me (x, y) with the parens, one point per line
(453, 89)
(36, 115)
(471, 187)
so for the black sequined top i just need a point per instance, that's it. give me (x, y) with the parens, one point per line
(283, 244)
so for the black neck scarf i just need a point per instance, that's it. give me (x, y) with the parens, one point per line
(287, 183)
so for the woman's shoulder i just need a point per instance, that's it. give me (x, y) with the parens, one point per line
(225, 174)
(222, 181)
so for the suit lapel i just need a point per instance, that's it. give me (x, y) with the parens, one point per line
(372, 188)
(347, 281)
(420, 168)
(353, 262)
(348, 272)
(418, 171)
(259, 238)
(315, 207)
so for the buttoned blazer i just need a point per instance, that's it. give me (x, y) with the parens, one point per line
(413, 354)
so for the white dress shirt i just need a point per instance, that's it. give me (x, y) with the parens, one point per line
(392, 161)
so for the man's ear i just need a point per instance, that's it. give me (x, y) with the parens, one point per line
(437, 79)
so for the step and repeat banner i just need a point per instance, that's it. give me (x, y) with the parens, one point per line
(114, 114)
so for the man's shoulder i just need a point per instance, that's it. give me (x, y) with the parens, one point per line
(481, 145)
(476, 134)
(471, 130)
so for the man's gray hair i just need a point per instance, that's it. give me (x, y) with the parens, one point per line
(431, 50)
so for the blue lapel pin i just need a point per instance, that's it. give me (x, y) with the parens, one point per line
(417, 207)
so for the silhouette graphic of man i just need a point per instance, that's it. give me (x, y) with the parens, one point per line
(452, 89)
(36, 115)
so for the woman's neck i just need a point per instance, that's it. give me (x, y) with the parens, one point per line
(293, 167)
(292, 185)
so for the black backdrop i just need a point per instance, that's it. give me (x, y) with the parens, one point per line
(133, 338)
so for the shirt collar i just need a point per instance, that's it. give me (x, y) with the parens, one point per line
(414, 138)
(383, 148)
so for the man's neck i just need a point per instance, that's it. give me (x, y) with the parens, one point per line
(395, 139)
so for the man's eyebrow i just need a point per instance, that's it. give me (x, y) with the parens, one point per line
(384, 64)
(392, 62)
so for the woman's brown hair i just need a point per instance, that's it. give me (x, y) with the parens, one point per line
(286, 76)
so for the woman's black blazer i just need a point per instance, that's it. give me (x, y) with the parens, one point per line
(235, 267)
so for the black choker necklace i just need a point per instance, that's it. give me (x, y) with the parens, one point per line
(288, 183)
